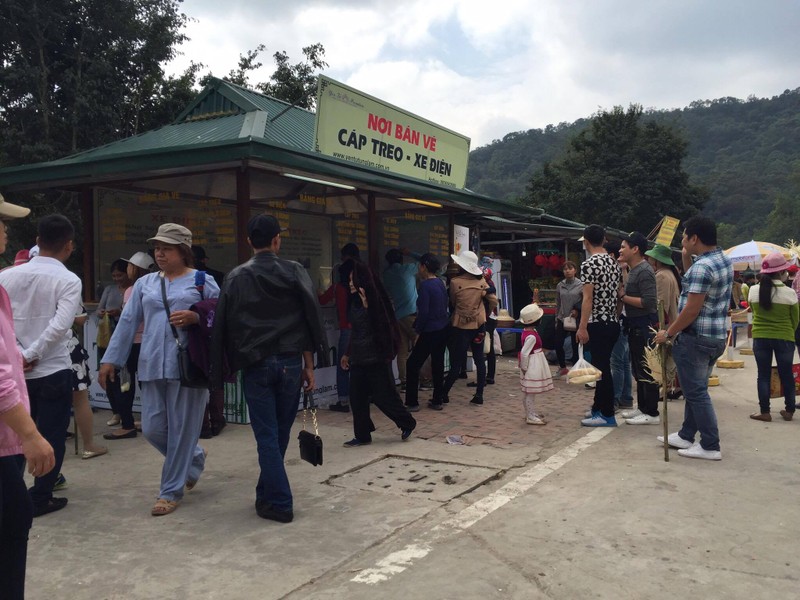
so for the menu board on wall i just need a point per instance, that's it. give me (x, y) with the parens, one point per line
(307, 240)
(416, 232)
(125, 220)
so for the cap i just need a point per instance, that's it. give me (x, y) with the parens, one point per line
(22, 257)
(12, 211)
(594, 234)
(262, 229)
(141, 260)
(172, 233)
(634, 238)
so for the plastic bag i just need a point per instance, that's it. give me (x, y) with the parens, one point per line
(583, 371)
(104, 331)
(124, 379)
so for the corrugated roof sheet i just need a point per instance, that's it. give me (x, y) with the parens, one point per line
(169, 136)
(286, 124)
(221, 112)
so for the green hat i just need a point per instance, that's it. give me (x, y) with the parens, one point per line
(662, 254)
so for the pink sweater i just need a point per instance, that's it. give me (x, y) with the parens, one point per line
(13, 390)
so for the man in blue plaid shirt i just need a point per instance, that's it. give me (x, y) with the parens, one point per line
(699, 335)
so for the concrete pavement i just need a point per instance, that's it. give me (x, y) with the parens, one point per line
(520, 512)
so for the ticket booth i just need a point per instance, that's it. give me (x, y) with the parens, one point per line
(330, 178)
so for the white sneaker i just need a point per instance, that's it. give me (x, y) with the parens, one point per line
(644, 419)
(697, 451)
(535, 420)
(631, 414)
(676, 441)
(114, 420)
(591, 385)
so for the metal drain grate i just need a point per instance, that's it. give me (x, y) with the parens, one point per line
(439, 481)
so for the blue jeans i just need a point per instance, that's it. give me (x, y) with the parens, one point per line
(784, 355)
(272, 390)
(342, 376)
(51, 400)
(694, 358)
(621, 371)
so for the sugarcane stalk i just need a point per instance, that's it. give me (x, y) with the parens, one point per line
(664, 383)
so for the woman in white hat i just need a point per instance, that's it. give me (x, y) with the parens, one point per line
(468, 289)
(172, 414)
(775, 318)
(139, 265)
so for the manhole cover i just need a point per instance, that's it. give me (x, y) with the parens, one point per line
(440, 481)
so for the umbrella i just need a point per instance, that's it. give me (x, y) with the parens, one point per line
(751, 253)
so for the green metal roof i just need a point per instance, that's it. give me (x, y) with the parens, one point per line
(227, 123)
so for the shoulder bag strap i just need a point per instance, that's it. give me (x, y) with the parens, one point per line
(166, 307)
(200, 282)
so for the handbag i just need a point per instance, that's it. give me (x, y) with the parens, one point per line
(191, 375)
(570, 324)
(310, 443)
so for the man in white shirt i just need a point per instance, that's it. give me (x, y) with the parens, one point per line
(45, 297)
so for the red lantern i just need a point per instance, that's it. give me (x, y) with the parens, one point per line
(540, 260)
(554, 261)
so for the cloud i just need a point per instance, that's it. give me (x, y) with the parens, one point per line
(484, 71)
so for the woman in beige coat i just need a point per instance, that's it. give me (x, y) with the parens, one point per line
(468, 289)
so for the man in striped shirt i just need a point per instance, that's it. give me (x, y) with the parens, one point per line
(699, 335)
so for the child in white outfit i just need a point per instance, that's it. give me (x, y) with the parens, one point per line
(534, 372)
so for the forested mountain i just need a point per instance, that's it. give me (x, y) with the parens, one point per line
(746, 153)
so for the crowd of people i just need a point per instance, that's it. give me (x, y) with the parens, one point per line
(169, 305)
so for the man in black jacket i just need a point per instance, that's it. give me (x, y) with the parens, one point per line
(269, 324)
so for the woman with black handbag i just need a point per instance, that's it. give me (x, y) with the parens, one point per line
(172, 413)
(373, 346)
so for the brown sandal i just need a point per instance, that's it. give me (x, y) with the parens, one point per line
(190, 484)
(163, 507)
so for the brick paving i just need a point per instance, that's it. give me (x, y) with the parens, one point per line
(500, 422)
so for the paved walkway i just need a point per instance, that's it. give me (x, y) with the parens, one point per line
(500, 422)
(521, 512)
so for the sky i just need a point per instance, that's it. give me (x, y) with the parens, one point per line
(485, 69)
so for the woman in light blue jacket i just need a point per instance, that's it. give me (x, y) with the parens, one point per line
(172, 415)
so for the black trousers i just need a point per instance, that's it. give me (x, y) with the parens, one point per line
(429, 343)
(375, 382)
(602, 337)
(460, 341)
(16, 517)
(124, 400)
(491, 358)
(561, 335)
(51, 401)
(646, 392)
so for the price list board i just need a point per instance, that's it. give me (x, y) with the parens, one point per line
(350, 228)
(307, 240)
(416, 232)
(125, 220)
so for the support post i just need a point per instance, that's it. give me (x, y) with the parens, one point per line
(87, 221)
(372, 232)
(243, 251)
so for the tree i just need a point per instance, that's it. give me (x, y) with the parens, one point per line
(620, 172)
(780, 224)
(76, 74)
(295, 84)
